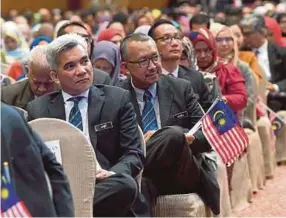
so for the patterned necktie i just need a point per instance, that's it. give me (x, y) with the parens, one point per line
(75, 115)
(149, 121)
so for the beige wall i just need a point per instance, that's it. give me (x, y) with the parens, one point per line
(33, 5)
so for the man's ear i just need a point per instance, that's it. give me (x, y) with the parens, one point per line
(124, 67)
(26, 69)
(54, 77)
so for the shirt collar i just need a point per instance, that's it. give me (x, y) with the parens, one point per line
(67, 96)
(140, 92)
(175, 72)
(263, 47)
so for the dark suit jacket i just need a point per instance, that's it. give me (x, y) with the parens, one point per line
(277, 62)
(117, 146)
(178, 106)
(17, 94)
(100, 77)
(29, 158)
(198, 84)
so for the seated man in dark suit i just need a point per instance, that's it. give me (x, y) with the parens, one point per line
(166, 109)
(100, 77)
(104, 114)
(37, 84)
(28, 159)
(168, 40)
(271, 58)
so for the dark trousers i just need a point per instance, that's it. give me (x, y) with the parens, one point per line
(114, 196)
(170, 165)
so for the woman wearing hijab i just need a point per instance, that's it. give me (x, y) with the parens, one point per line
(228, 50)
(15, 46)
(112, 35)
(231, 82)
(274, 31)
(106, 56)
(247, 56)
(17, 70)
(188, 58)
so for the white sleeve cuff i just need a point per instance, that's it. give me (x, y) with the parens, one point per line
(276, 87)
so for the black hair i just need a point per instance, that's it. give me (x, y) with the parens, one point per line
(156, 24)
(201, 19)
(62, 31)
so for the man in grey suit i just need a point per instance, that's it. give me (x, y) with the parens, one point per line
(37, 84)
(113, 133)
(100, 77)
(166, 109)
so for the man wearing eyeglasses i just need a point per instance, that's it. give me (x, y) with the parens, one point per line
(166, 109)
(100, 77)
(168, 40)
(271, 58)
(37, 84)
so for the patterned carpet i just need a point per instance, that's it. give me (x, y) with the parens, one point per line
(271, 201)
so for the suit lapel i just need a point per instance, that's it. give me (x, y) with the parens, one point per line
(127, 85)
(96, 99)
(56, 107)
(181, 73)
(165, 98)
(271, 58)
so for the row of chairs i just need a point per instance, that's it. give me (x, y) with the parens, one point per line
(249, 173)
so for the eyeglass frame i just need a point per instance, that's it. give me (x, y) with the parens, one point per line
(147, 59)
(170, 38)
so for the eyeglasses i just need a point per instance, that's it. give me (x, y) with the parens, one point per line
(87, 38)
(146, 62)
(169, 38)
(221, 39)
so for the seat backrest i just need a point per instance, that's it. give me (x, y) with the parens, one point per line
(22, 111)
(5, 68)
(78, 160)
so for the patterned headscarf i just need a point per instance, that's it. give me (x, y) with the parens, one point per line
(205, 35)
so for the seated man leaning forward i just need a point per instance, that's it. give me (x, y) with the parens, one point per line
(38, 83)
(166, 109)
(104, 114)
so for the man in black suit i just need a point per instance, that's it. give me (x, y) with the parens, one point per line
(271, 58)
(106, 117)
(168, 40)
(28, 159)
(100, 77)
(166, 109)
(37, 84)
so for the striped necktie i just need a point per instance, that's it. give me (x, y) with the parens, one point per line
(75, 115)
(149, 121)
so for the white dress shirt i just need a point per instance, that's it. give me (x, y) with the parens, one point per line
(140, 100)
(175, 73)
(83, 106)
(262, 57)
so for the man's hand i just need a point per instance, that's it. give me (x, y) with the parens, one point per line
(148, 135)
(102, 174)
(270, 87)
(189, 138)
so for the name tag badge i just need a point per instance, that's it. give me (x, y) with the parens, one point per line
(181, 115)
(103, 126)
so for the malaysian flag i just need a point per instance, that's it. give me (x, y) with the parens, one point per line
(276, 122)
(221, 128)
(11, 206)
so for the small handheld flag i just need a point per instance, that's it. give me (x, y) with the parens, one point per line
(11, 206)
(221, 128)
